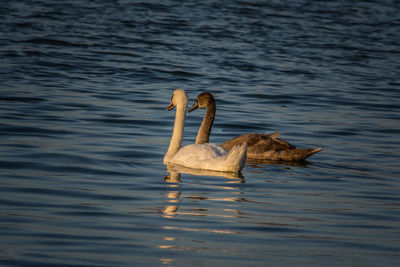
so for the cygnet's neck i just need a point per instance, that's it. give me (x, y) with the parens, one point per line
(208, 120)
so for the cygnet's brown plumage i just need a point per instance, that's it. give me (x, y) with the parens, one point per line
(259, 146)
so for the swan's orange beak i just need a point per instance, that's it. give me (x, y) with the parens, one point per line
(171, 106)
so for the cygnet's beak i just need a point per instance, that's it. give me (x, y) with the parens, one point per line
(171, 106)
(195, 106)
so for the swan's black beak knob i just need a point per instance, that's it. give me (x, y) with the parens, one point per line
(195, 106)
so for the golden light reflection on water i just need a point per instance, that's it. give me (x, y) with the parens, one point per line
(173, 196)
(204, 230)
(170, 211)
(166, 261)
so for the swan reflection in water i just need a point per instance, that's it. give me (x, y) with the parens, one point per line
(174, 179)
(234, 208)
(176, 171)
(173, 198)
(174, 182)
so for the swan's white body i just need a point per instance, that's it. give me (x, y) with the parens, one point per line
(200, 156)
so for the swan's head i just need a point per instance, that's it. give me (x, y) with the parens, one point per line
(202, 101)
(178, 98)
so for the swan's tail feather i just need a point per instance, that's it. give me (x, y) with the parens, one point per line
(314, 151)
(236, 157)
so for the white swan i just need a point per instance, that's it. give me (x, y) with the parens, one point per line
(199, 156)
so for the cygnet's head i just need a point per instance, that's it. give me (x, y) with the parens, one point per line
(202, 101)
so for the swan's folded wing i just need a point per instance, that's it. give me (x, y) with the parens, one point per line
(211, 157)
(250, 139)
(191, 154)
(258, 143)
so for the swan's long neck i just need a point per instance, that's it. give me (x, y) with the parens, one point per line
(176, 139)
(205, 128)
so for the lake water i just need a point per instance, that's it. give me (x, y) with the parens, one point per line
(83, 126)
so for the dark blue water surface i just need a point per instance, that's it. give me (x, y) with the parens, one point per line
(83, 130)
